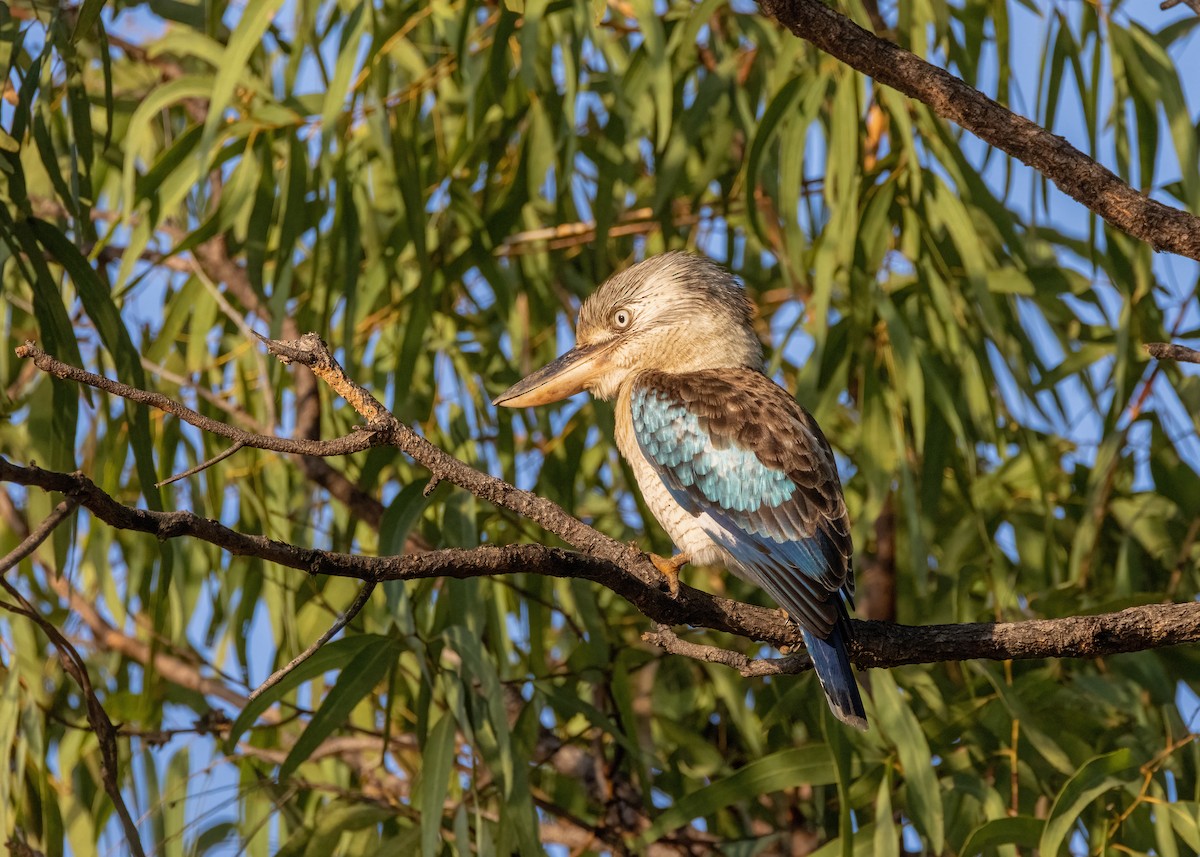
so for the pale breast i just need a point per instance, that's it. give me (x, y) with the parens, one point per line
(686, 530)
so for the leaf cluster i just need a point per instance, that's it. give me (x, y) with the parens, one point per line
(433, 187)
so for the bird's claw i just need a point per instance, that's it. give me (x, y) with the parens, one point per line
(669, 568)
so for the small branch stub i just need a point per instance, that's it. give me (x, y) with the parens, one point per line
(312, 351)
(1170, 351)
(1194, 5)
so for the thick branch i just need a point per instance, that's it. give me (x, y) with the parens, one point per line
(1075, 174)
(312, 352)
(876, 644)
(1134, 629)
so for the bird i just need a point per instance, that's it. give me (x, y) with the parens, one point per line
(734, 469)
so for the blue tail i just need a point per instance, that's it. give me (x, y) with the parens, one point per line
(832, 665)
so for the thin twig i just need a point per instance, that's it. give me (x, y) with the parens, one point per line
(667, 640)
(364, 595)
(30, 543)
(102, 727)
(204, 465)
(356, 442)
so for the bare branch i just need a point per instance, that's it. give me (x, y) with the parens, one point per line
(666, 639)
(875, 644)
(340, 446)
(1170, 351)
(1135, 629)
(1075, 174)
(30, 543)
(312, 351)
(364, 595)
(106, 735)
(314, 354)
(202, 466)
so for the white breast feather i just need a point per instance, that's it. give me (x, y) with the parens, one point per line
(688, 532)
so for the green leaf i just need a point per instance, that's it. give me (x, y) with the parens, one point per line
(1097, 776)
(335, 822)
(338, 93)
(903, 731)
(89, 14)
(1185, 821)
(247, 38)
(1018, 830)
(887, 832)
(98, 304)
(841, 753)
(332, 656)
(437, 759)
(57, 338)
(358, 678)
(187, 86)
(399, 518)
(810, 765)
(779, 110)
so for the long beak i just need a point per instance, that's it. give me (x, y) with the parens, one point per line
(558, 380)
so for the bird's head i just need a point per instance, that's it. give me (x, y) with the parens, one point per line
(675, 312)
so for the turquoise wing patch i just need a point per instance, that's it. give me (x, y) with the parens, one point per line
(713, 473)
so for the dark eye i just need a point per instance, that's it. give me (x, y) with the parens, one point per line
(621, 319)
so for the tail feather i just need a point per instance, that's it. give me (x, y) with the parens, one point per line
(832, 665)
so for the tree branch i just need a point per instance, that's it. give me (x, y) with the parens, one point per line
(364, 595)
(30, 543)
(1075, 174)
(667, 640)
(312, 352)
(1194, 5)
(875, 644)
(612, 564)
(1169, 351)
(74, 665)
(340, 446)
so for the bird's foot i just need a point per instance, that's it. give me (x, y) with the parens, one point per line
(669, 568)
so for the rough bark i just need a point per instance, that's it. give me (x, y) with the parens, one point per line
(876, 644)
(1075, 174)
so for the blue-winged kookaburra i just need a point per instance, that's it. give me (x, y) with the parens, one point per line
(736, 472)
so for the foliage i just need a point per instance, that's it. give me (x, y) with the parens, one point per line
(433, 187)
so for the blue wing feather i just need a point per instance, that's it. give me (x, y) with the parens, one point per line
(735, 446)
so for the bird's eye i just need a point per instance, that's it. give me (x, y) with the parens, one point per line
(621, 319)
